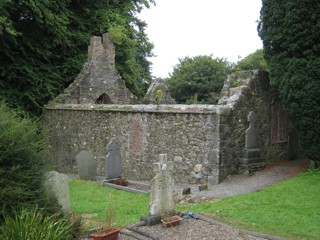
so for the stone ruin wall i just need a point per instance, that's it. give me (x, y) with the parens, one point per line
(209, 135)
(88, 115)
(188, 138)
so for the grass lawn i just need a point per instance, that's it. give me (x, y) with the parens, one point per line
(93, 200)
(288, 209)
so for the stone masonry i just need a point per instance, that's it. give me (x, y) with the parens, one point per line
(99, 81)
(96, 108)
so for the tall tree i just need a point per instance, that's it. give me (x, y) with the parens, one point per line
(43, 45)
(202, 76)
(290, 31)
(253, 61)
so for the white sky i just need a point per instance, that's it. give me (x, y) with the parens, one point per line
(180, 28)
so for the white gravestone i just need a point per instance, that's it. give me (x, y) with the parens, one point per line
(57, 184)
(162, 188)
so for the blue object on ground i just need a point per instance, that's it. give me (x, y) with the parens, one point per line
(190, 215)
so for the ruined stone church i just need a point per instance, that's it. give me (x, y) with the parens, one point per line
(97, 107)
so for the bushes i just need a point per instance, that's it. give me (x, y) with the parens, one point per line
(34, 224)
(22, 163)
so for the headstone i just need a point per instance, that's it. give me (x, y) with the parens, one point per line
(113, 160)
(87, 166)
(57, 186)
(251, 133)
(251, 160)
(162, 188)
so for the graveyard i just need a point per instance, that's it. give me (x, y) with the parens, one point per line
(246, 130)
(167, 157)
(95, 146)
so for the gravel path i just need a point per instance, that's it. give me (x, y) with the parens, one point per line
(240, 184)
(202, 228)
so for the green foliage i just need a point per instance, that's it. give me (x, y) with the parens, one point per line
(290, 34)
(201, 75)
(288, 209)
(34, 224)
(253, 61)
(22, 163)
(43, 45)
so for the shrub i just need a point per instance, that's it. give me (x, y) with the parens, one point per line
(253, 61)
(22, 163)
(202, 76)
(34, 224)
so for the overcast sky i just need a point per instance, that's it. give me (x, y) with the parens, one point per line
(180, 28)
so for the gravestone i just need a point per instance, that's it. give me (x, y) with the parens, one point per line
(251, 160)
(251, 133)
(87, 166)
(113, 160)
(162, 188)
(56, 185)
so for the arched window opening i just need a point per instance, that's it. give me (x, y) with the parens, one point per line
(104, 99)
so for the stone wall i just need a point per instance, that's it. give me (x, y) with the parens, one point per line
(189, 136)
(210, 135)
(250, 91)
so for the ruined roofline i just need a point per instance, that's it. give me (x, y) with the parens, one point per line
(151, 108)
(98, 45)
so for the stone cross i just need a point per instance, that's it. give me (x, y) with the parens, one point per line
(113, 160)
(87, 167)
(251, 133)
(161, 193)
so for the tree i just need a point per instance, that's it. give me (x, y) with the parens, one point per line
(22, 163)
(43, 45)
(202, 76)
(290, 31)
(253, 61)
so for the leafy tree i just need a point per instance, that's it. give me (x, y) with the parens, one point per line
(253, 61)
(290, 31)
(200, 76)
(43, 45)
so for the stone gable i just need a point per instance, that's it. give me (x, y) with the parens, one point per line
(98, 81)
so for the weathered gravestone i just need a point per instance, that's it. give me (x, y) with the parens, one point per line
(251, 160)
(87, 167)
(57, 185)
(162, 188)
(251, 133)
(113, 160)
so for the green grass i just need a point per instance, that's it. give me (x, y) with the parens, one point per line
(288, 209)
(91, 198)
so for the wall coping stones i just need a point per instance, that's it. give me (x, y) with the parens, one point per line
(173, 108)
